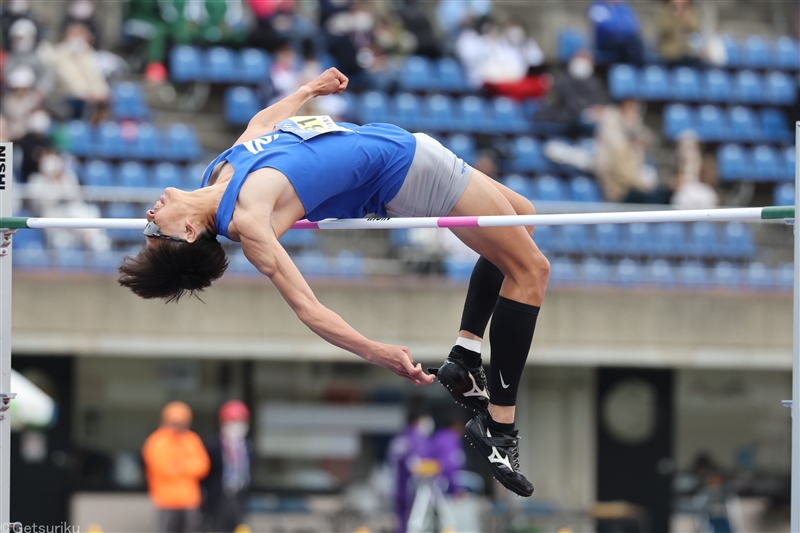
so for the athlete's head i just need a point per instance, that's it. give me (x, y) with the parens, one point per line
(181, 252)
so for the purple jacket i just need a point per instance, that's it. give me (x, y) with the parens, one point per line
(446, 448)
(406, 447)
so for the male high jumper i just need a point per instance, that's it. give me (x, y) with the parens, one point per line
(285, 168)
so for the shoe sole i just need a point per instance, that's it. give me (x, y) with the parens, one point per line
(459, 398)
(477, 446)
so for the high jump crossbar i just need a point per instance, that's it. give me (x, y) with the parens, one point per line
(774, 214)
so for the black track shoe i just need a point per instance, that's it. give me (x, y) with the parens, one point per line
(501, 451)
(467, 385)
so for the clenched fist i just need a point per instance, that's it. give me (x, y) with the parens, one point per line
(329, 82)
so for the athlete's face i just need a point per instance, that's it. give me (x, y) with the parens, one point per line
(169, 214)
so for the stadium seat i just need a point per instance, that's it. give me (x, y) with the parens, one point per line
(677, 118)
(220, 65)
(758, 276)
(312, 264)
(450, 76)
(185, 64)
(570, 41)
(737, 241)
(527, 156)
(110, 141)
(180, 142)
(693, 274)
(764, 163)
(79, 138)
(563, 270)
(519, 184)
(788, 163)
(459, 269)
(128, 101)
(507, 117)
(784, 277)
(638, 240)
(725, 274)
(571, 239)
(240, 103)
(123, 210)
(407, 111)
(783, 194)
(622, 82)
(548, 189)
(607, 240)
(296, 239)
(779, 89)
(685, 84)
(786, 54)
(774, 126)
(584, 189)
(595, 271)
(702, 240)
(670, 239)
(654, 83)
(374, 107)
(166, 175)
(471, 114)
(192, 176)
(748, 87)
(742, 124)
(253, 66)
(417, 74)
(438, 114)
(628, 273)
(543, 237)
(661, 273)
(131, 174)
(147, 144)
(716, 86)
(97, 173)
(732, 162)
(732, 52)
(30, 239)
(463, 146)
(755, 53)
(711, 123)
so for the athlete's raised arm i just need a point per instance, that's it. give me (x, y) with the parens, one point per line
(329, 82)
(262, 249)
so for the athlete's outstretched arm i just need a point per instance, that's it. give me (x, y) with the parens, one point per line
(329, 82)
(262, 249)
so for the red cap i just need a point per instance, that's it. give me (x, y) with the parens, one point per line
(233, 410)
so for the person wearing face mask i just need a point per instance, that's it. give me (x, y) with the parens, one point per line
(23, 51)
(577, 98)
(82, 12)
(19, 100)
(15, 10)
(34, 143)
(232, 457)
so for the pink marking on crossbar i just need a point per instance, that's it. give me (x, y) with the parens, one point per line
(457, 222)
(305, 224)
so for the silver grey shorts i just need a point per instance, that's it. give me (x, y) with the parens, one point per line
(435, 181)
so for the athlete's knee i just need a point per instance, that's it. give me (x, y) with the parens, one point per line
(541, 267)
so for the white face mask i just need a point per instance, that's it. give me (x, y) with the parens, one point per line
(51, 165)
(39, 122)
(581, 68)
(235, 430)
(81, 10)
(515, 34)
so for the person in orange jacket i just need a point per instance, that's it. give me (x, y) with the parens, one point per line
(175, 460)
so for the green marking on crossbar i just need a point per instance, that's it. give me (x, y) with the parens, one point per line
(773, 213)
(13, 222)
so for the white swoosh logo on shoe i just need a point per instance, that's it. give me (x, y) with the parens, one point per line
(503, 383)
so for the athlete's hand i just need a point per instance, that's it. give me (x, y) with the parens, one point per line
(329, 82)
(398, 360)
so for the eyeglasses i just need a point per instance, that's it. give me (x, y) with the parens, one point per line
(152, 230)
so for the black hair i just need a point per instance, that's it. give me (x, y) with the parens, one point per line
(170, 269)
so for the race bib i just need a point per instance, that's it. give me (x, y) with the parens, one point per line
(309, 127)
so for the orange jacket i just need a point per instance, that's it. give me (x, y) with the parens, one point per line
(175, 463)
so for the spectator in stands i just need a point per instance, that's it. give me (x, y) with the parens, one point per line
(456, 15)
(446, 447)
(616, 31)
(677, 21)
(153, 23)
(175, 460)
(620, 166)
(577, 98)
(692, 190)
(276, 22)
(20, 100)
(82, 12)
(35, 142)
(416, 21)
(76, 65)
(500, 60)
(23, 51)
(12, 11)
(232, 458)
(56, 192)
(215, 22)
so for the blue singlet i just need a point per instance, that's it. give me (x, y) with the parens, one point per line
(339, 174)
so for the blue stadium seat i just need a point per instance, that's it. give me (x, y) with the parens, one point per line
(628, 273)
(654, 83)
(128, 101)
(123, 210)
(253, 66)
(703, 240)
(732, 162)
(438, 113)
(450, 76)
(595, 271)
(717, 86)
(661, 273)
(131, 174)
(463, 146)
(677, 118)
(607, 240)
(97, 173)
(779, 89)
(563, 270)
(527, 156)
(374, 107)
(30, 239)
(622, 82)
(349, 264)
(748, 87)
(519, 184)
(79, 138)
(166, 175)
(786, 54)
(639, 239)
(743, 125)
(685, 84)
(765, 163)
(788, 163)
(220, 65)
(459, 269)
(241, 103)
(543, 237)
(312, 264)
(711, 123)
(584, 189)
(471, 114)
(297, 239)
(783, 194)
(670, 239)
(784, 277)
(693, 274)
(725, 274)
(147, 144)
(192, 176)
(756, 53)
(181, 143)
(774, 125)
(548, 189)
(507, 117)
(407, 111)
(758, 276)
(570, 41)
(417, 74)
(185, 64)
(110, 140)
(571, 239)
(737, 241)
(732, 51)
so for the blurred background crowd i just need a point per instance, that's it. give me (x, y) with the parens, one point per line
(580, 106)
